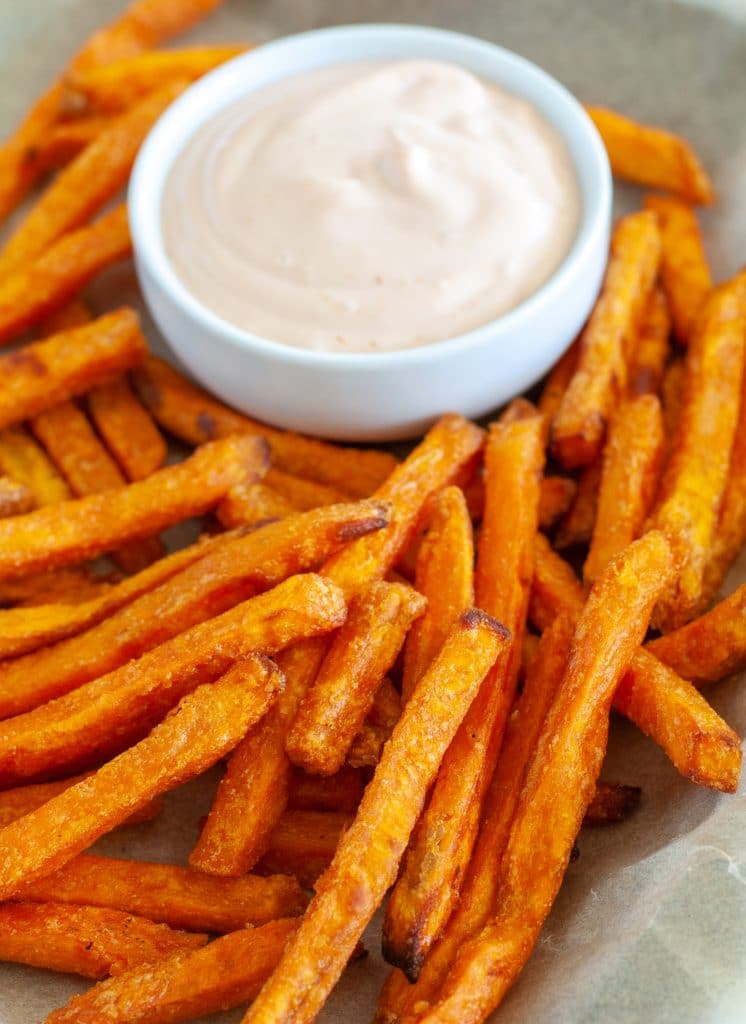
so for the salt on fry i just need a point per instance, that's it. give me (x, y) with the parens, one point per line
(127, 429)
(27, 464)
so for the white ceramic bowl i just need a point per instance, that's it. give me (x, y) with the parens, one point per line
(378, 396)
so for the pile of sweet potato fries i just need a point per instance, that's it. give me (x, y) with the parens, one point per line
(402, 710)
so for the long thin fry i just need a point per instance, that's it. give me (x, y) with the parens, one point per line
(75, 530)
(601, 374)
(107, 714)
(127, 428)
(651, 347)
(26, 463)
(252, 505)
(73, 585)
(302, 493)
(557, 382)
(368, 854)
(14, 803)
(45, 283)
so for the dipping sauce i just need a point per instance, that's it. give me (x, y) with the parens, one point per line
(369, 207)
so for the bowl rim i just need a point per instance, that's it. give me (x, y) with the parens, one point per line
(147, 235)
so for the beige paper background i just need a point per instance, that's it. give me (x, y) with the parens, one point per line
(651, 922)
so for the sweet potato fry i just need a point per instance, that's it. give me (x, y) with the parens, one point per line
(365, 751)
(88, 182)
(252, 505)
(556, 496)
(86, 465)
(612, 804)
(62, 143)
(445, 575)
(340, 792)
(170, 895)
(333, 711)
(15, 497)
(107, 714)
(112, 88)
(577, 525)
(672, 396)
(367, 857)
(651, 347)
(303, 844)
(193, 416)
(71, 585)
(127, 429)
(86, 940)
(631, 465)
(75, 530)
(557, 382)
(14, 803)
(45, 283)
(206, 725)
(652, 157)
(560, 782)
(304, 494)
(45, 373)
(441, 847)
(710, 647)
(684, 271)
(74, 313)
(27, 465)
(692, 486)
(228, 972)
(228, 573)
(601, 374)
(399, 997)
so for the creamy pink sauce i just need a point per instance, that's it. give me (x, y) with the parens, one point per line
(370, 207)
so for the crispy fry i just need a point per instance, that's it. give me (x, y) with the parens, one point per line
(127, 429)
(107, 714)
(25, 462)
(260, 767)
(601, 374)
(333, 711)
(112, 88)
(193, 416)
(72, 585)
(228, 972)
(303, 844)
(228, 573)
(86, 940)
(340, 792)
(557, 382)
(684, 271)
(74, 313)
(441, 847)
(14, 803)
(15, 497)
(445, 575)
(206, 725)
(62, 143)
(252, 505)
(88, 182)
(692, 486)
(631, 461)
(577, 525)
(612, 804)
(556, 496)
(560, 782)
(367, 857)
(170, 895)
(75, 530)
(365, 751)
(710, 647)
(304, 494)
(86, 465)
(651, 347)
(652, 157)
(45, 283)
(555, 589)
(45, 373)
(398, 997)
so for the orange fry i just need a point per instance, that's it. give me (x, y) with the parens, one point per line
(428, 887)
(365, 751)
(206, 725)
(304, 494)
(193, 416)
(26, 464)
(15, 497)
(170, 895)
(72, 585)
(333, 711)
(74, 313)
(692, 486)
(577, 524)
(227, 973)
(127, 429)
(228, 573)
(76, 530)
(47, 372)
(61, 144)
(652, 157)
(368, 854)
(672, 396)
(303, 844)
(86, 940)
(560, 782)
(252, 505)
(601, 374)
(87, 183)
(651, 347)
(556, 496)
(46, 282)
(684, 271)
(105, 715)
(557, 382)
(612, 804)
(340, 792)
(632, 460)
(14, 803)
(445, 575)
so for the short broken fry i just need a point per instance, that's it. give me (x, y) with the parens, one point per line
(611, 804)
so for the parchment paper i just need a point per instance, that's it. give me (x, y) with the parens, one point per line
(651, 922)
